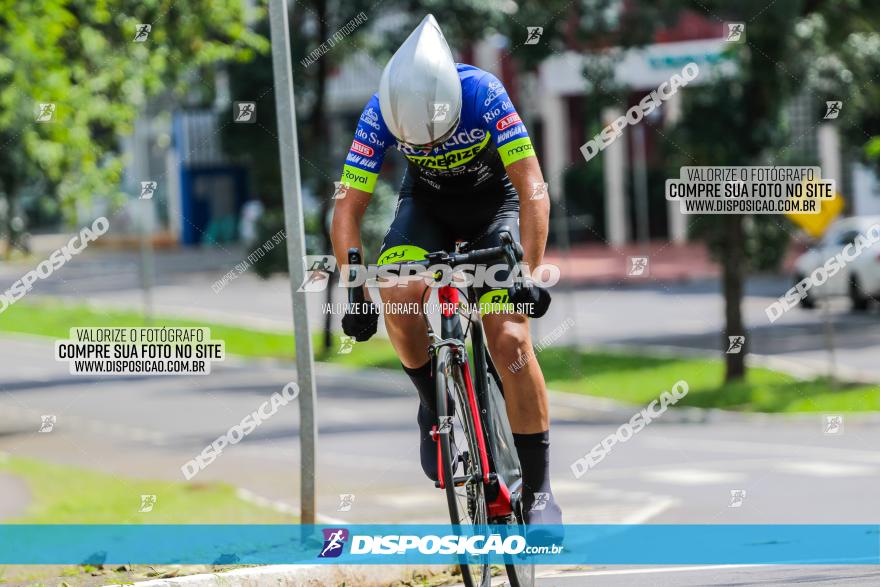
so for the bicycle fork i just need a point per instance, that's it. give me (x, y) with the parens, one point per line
(499, 505)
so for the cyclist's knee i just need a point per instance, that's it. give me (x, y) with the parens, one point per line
(510, 341)
(402, 306)
(401, 292)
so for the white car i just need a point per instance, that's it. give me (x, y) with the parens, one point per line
(857, 278)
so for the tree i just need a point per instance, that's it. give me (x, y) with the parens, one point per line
(793, 46)
(80, 58)
(799, 46)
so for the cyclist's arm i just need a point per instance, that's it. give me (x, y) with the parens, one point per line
(345, 228)
(534, 208)
(518, 156)
(359, 175)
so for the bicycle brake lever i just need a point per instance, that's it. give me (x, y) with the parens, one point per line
(355, 294)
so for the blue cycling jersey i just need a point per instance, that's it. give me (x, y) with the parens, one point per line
(489, 136)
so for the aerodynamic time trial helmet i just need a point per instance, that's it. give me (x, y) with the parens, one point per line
(420, 91)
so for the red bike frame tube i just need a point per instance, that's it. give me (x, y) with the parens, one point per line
(478, 425)
(501, 506)
(448, 297)
(435, 434)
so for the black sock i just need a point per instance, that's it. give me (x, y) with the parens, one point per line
(423, 378)
(534, 457)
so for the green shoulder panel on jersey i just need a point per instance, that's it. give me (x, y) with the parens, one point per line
(359, 179)
(516, 150)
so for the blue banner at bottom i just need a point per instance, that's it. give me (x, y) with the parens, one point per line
(660, 544)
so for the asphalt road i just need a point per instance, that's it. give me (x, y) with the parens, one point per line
(680, 469)
(635, 312)
(699, 576)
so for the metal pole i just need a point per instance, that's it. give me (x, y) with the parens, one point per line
(296, 247)
(829, 343)
(147, 257)
(144, 207)
(641, 183)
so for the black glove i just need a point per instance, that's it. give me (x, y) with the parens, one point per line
(530, 293)
(361, 320)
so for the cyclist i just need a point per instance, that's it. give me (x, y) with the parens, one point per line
(471, 170)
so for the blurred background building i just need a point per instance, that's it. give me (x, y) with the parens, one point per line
(615, 199)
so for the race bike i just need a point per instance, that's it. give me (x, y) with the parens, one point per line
(478, 467)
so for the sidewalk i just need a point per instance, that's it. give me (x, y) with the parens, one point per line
(15, 496)
(585, 264)
(599, 264)
(308, 576)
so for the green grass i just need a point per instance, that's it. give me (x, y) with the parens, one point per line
(70, 495)
(639, 379)
(55, 319)
(632, 378)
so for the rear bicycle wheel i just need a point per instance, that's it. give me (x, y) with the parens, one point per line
(460, 460)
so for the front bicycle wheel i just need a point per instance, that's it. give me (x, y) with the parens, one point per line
(460, 459)
(520, 572)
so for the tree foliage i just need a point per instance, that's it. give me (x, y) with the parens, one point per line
(80, 55)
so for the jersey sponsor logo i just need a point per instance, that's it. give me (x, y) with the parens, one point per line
(508, 120)
(371, 118)
(361, 133)
(391, 256)
(515, 150)
(490, 116)
(433, 184)
(520, 149)
(361, 148)
(495, 301)
(495, 90)
(506, 105)
(407, 150)
(483, 172)
(355, 179)
(362, 161)
(374, 139)
(463, 138)
(466, 137)
(516, 130)
(401, 253)
(447, 161)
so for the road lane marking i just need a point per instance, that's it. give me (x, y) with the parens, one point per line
(761, 448)
(649, 511)
(692, 476)
(827, 469)
(564, 574)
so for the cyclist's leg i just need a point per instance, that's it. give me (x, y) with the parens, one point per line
(525, 393)
(510, 343)
(412, 234)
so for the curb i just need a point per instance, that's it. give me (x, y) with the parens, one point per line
(16, 494)
(302, 576)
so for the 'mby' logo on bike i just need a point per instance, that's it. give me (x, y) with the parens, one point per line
(334, 541)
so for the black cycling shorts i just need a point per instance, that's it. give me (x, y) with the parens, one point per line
(421, 226)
